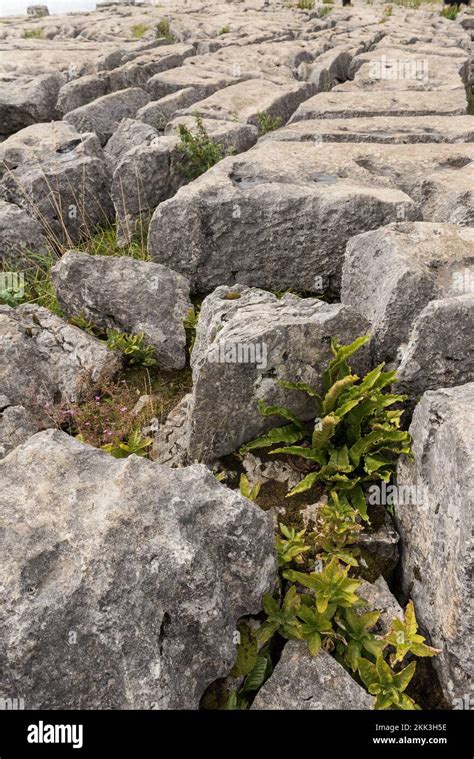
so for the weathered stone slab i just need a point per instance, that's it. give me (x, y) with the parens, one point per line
(246, 100)
(102, 289)
(79, 92)
(150, 173)
(103, 115)
(146, 568)
(391, 274)
(340, 105)
(158, 113)
(237, 222)
(60, 178)
(383, 129)
(44, 360)
(245, 340)
(19, 235)
(136, 73)
(304, 682)
(27, 100)
(440, 347)
(437, 556)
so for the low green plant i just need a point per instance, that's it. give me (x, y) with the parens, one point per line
(224, 30)
(253, 681)
(132, 347)
(355, 439)
(246, 490)
(358, 639)
(198, 152)
(386, 685)
(305, 5)
(268, 123)
(135, 444)
(325, 11)
(337, 530)
(330, 586)
(163, 30)
(450, 12)
(291, 546)
(86, 325)
(139, 30)
(403, 636)
(37, 34)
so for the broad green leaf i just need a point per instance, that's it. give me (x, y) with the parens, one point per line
(330, 398)
(305, 484)
(287, 434)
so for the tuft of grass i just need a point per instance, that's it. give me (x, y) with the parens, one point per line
(34, 33)
(268, 123)
(224, 30)
(305, 5)
(38, 285)
(104, 243)
(163, 30)
(139, 30)
(325, 11)
(450, 12)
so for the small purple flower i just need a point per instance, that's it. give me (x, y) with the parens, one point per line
(124, 409)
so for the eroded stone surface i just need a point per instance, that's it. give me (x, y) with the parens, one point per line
(303, 682)
(102, 289)
(44, 360)
(390, 274)
(437, 554)
(149, 568)
(247, 339)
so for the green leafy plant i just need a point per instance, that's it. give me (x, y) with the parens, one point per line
(337, 530)
(325, 11)
(355, 440)
(282, 619)
(403, 636)
(387, 685)
(260, 672)
(247, 651)
(358, 639)
(198, 152)
(291, 546)
(81, 322)
(132, 347)
(268, 123)
(136, 444)
(316, 627)
(330, 586)
(163, 30)
(139, 30)
(306, 5)
(224, 30)
(249, 492)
